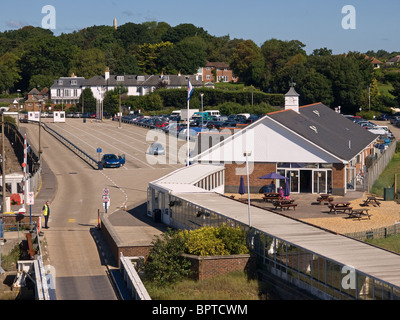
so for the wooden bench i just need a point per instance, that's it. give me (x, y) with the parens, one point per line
(31, 251)
(370, 200)
(336, 208)
(321, 199)
(286, 205)
(359, 213)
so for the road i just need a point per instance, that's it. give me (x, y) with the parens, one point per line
(71, 239)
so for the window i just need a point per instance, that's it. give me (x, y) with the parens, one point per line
(74, 82)
(60, 82)
(75, 92)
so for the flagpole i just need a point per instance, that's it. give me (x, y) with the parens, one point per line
(187, 133)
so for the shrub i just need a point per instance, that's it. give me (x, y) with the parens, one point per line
(166, 263)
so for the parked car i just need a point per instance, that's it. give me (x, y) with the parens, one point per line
(110, 160)
(383, 117)
(394, 119)
(156, 149)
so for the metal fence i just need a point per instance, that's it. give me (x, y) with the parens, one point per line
(379, 164)
(378, 233)
(79, 152)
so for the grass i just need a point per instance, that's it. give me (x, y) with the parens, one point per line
(391, 243)
(232, 286)
(9, 261)
(386, 179)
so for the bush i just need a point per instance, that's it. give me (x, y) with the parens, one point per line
(211, 241)
(165, 263)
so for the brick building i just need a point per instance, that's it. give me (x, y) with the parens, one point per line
(317, 149)
(217, 72)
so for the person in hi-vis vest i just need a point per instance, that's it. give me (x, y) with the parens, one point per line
(46, 213)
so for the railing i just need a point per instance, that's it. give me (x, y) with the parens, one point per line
(132, 279)
(33, 269)
(379, 165)
(79, 152)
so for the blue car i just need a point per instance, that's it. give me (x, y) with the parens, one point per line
(112, 161)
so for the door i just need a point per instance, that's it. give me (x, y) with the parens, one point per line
(293, 176)
(320, 182)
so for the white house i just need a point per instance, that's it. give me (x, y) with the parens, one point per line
(66, 90)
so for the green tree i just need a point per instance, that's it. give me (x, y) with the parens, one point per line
(247, 62)
(48, 56)
(89, 102)
(183, 31)
(88, 63)
(9, 71)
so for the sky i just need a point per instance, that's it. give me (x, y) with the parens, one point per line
(370, 25)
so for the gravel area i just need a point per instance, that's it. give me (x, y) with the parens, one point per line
(384, 215)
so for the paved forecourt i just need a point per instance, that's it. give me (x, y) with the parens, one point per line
(75, 190)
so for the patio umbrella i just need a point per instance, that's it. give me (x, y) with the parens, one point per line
(272, 175)
(242, 189)
(286, 190)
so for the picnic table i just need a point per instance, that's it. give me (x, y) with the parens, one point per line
(359, 213)
(271, 196)
(370, 200)
(324, 197)
(284, 203)
(340, 207)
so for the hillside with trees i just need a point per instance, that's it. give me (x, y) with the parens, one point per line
(34, 57)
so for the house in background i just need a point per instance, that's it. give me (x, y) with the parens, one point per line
(66, 91)
(217, 72)
(137, 85)
(393, 60)
(316, 148)
(36, 99)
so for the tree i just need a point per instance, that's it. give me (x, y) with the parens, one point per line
(148, 57)
(277, 53)
(183, 31)
(247, 62)
(88, 63)
(89, 101)
(48, 56)
(9, 71)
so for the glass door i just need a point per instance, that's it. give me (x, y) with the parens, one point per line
(294, 180)
(320, 182)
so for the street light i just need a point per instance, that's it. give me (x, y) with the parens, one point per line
(201, 95)
(247, 154)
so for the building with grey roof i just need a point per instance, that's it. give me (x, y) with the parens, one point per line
(316, 148)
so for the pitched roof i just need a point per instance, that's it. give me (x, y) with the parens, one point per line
(327, 129)
(217, 64)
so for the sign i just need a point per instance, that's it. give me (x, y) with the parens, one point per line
(30, 198)
(106, 192)
(106, 198)
(98, 150)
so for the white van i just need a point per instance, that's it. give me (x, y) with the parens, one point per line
(213, 113)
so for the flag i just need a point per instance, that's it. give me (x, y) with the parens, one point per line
(190, 90)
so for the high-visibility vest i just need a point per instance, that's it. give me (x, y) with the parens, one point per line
(45, 210)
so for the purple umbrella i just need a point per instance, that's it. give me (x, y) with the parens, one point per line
(272, 175)
(242, 189)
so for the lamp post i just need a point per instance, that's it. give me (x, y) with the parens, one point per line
(201, 95)
(247, 154)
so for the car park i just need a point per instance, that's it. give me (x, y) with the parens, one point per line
(110, 160)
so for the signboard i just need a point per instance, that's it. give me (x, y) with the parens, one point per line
(30, 198)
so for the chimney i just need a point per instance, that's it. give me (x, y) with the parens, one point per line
(107, 74)
(292, 99)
